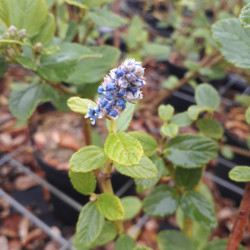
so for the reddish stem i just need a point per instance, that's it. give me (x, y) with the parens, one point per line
(241, 220)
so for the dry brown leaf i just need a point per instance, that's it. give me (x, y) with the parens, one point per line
(36, 233)
(69, 141)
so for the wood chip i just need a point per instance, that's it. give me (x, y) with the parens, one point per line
(36, 233)
(24, 182)
(52, 245)
(15, 245)
(69, 141)
(4, 243)
(4, 208)
(23, 229)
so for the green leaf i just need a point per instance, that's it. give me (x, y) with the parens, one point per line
(85, 234)
(87, 159)
(188, 178)
(23, 102)
(227, 152)
(124, 242)
(240, 174)
(170, 130)
(153, 49)
(84, 183)
(210, 128)
(145, 170)
(80, 105)
(244, 100)
(174, 240)
(149, 144)
(207, 96)
(110, 206)
(71, 31)
(247, 115)
(92, 70)
(26, 14)
(78, 3)
(124, 120)
(132, 206)
(195, 206)
(219, 244)
(142, 248)
(234, 41)
(245, 16)
(171, 82)
(47, 31)
(182, 119)
(123, 149)
(165, 112)
(191, 151)
(107, 235)
(59, 66)
(144, 184)
(26, 62)
(194, 111)
(106, 18)
(162, 201)
(3, 65)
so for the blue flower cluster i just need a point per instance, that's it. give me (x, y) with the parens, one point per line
(121, 85)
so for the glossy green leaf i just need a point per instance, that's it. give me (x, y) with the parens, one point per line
(26, 14)
(174, 240)
(149, 144)
(240, 174)
(87, 159)
(234, 41)
(162, 201)
(59, 66)
(207, 96)
(144, 184)
(166, 112)
(106, 18)
(146, 169)
(47, 31)
(80, 105)
(85, 234)
(107, 235)
(132, 206)
(195, 206)
(123, 149)
(110, 206)
(247, 115)
(210, 128)
(170, 130)
(182, 119)
(188, 178)
(124, 242)
(245, 16)
(191, 151)
(84, 183)
(23, 102)
(124, 120)
(219, 244)
(92, 70)
(3, 65)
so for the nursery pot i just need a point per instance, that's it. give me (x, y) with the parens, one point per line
(60, 179)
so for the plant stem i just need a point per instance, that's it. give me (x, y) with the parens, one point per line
(241, 220)
(87, 131)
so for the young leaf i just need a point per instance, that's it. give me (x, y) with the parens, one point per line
(195, 206)
(162, 201)
(149, 144)
(84, 183)
(210, 128)
(247, 115)
(132, 206)
(86, 234)
(80, 105)
(191, 151)
(166, 112)
(182, 119)
(245, 16)
(87, 159)
(124, 242)
(123, 149)
(240, 174)
(107, 235)
(144, 184)
(170, 130)
(174, 240)
(219, 244)
(194, 111)
(207, 96)
(106, 18)
(110, 206)
(233, 40)
(188, 178)
(124, 120)
(145, 169)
